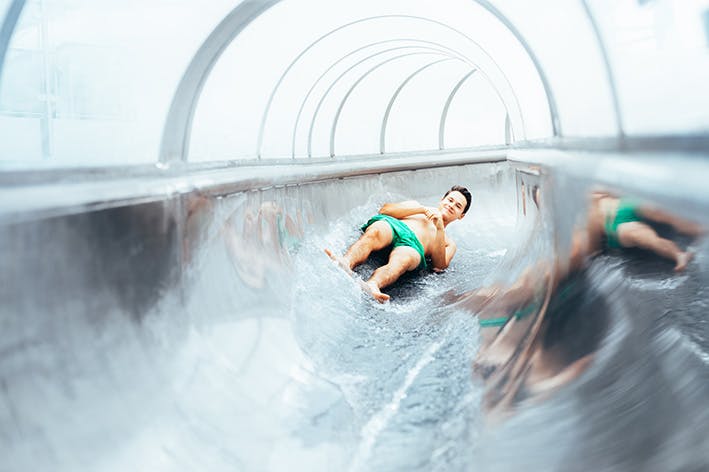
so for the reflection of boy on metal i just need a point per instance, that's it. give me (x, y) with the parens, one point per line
(624, 224)
(515, 358)
(560, 344)
(263, 242)
(531, 355)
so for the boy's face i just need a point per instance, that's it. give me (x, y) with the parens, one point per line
(452, 206)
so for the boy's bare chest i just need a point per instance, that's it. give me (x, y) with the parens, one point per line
(424, 229)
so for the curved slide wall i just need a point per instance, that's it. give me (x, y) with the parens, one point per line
(207, 330)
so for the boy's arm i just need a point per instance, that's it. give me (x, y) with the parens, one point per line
(443, 248)
(442, 253)
(403, 209)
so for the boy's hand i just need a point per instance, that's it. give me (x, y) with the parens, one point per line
(434, 215)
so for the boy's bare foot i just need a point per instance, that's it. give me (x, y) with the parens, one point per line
(373, 289)
(682, 260)
(339, 260)
(369, 287)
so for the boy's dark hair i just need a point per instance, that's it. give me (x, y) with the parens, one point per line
(466, 194)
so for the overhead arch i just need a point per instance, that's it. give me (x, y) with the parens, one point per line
(446, 107)
(176, 134)
(520, 120)
(349, 92)
(376, 43)
(7, 28)
(352, 67)
(385, 120)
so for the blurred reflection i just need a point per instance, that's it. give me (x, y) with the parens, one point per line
(529, 361)
(617, 223)
(260, 241)
(199, 210)
(541, 331)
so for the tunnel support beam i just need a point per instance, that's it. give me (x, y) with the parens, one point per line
(425, 50)
(178, 125)
(609, 71)
(333, 130)
(377, 43)
(12, 15)
(551, 101)
(446, 107)
(519, 122)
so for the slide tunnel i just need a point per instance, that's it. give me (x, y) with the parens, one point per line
(171, 173)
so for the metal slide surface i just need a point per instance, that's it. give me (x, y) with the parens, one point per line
(211, 332)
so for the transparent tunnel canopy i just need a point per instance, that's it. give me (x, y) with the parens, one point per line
(633, 67)
(91, 83)
(364, 78)
(658, 54)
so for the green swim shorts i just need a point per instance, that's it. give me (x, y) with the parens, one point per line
(626, 214)
(521, 313)
(402, 235)
(566, 289)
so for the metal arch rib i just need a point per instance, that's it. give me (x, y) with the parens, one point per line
(444, 114)
(176, 133)
(318, 40)
(390, 105)
(497, 92)
(609, 71)
(12, 16)
(333, 129)
(267, 108)
(175, 139)
(334, 82)
(317, 81)
(551, 101)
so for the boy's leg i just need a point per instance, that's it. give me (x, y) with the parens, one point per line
(681, 225)
(377, 236)
(637, 234)
(402, 259)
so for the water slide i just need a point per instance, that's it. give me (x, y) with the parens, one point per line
(178, 317)
(213, 332)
